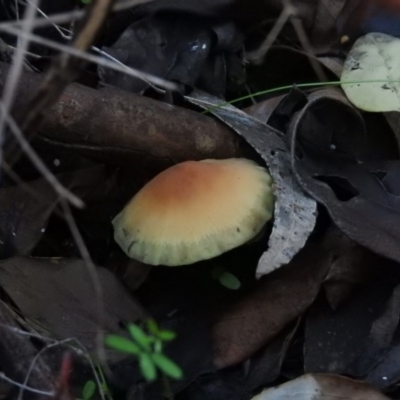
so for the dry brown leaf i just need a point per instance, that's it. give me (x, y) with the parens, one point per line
(58, 297)
(321, 387)
(277, 300)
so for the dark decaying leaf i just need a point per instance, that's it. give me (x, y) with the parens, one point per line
(393, 119)
(385, 333)
(277, 111)
(241, 381)
(277, 300)
(331, 164)
(352, 265)
(321, 387)
(294, 214)
(25, 209)
(353, 338)
(186, 50)
(266, 365)
(387, 372)
(284, 65)
(57, 296)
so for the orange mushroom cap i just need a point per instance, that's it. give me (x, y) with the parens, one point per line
(194, 211)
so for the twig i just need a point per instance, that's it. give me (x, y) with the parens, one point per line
(15, 72)
(93, 275)
(36, 358)
(258, 55)
(119, 67)
(40, 165)
(80, 351)
(305, 43)
(65, 67)
(288, 13)
(16, 353)
(72, 16)
(125, 69)
(23, 386)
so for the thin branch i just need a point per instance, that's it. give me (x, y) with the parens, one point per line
(84, 252)
(289, 12)
(25, 387)
(92, 58)
(16, 69)
(258, 55)
(65, 67)
(78, 349)
(125, 69)
(40, 165)
(305, 43)
(72, 16)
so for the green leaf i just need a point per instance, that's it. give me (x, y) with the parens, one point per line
(140, 336)
(122, 344)
(167, 366)
(152, 326)
(166, 335)
(229, 281)
(158, 345)
(147, 367)
(88, 390)
(374, 57)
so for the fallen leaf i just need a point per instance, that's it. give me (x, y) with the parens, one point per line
(240, 382)
(373, 57)
(58, 297)
(387, 372)
(295, 213)
(332, 164)
(352, 265)
(353, 338)
(278, 299)
(26, 208)
(192, 51)
(321, 387)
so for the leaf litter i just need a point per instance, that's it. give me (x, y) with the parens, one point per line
(315, 313)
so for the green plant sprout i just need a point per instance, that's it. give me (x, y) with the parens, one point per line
(148, 349)
(89, 388)
(225, 278)
(300, 85)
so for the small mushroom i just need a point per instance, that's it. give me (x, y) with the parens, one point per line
(194, 211)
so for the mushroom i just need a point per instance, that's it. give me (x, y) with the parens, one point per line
(194, 211)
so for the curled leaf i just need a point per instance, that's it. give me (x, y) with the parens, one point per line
(374, 57)
(295, 212)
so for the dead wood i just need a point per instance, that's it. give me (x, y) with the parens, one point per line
(114, 125)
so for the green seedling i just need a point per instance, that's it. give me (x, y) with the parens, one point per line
(148, 349)
(225, 278)
(89, 389)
